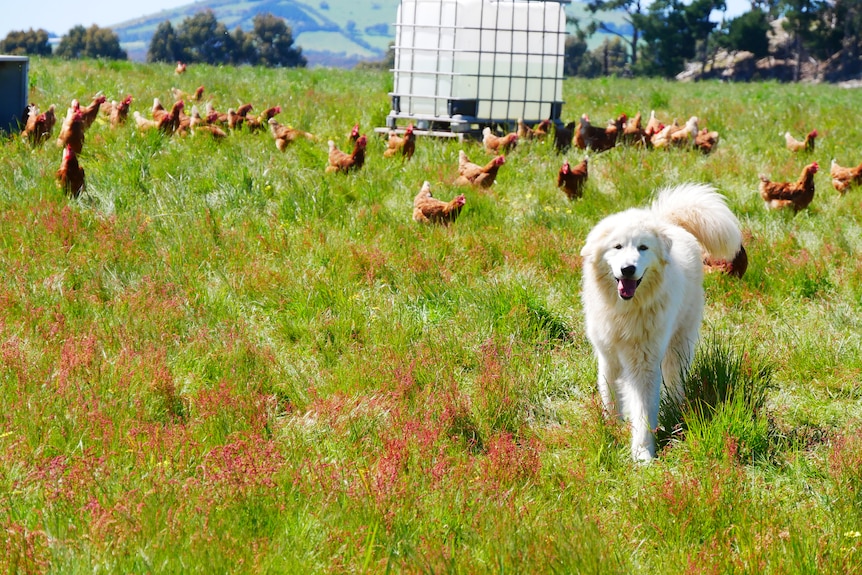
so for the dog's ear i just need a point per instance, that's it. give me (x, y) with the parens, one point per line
(593, 239)
(666, 243)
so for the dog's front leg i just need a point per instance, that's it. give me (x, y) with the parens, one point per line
(642, 406)
(608, 383)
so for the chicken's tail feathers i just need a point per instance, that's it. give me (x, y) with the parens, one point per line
(703, 212)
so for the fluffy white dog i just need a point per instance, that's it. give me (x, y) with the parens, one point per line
(643, 299)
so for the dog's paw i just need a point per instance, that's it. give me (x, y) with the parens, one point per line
(643, 455)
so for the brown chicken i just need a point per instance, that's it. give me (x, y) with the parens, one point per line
(157, 110)
(573, 179)
(197, 96)
(795, 145)
(429, 209)
(705, 140)
(675, 135)
(498, 144)
(797, 195)
(539, 132)
(404, 145)
(70, 176)
(653, 126)
(261, 121)
(198, 125)
(236, 118)
(90, 112)
(39, 127)
(72, 130)
(563, 136)
(633, 132)
(224, 118)
(342, 161)
(119, 112)
(181, 68)
(598, 139)
(735, 267)
(471, 174)
(845, 178)
(170, 123)
(167, 122)
(285, 135)
(354, 134)
(684, 138)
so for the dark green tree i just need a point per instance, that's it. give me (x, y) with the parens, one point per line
(72, 45)
(21, 43)
(849, 13)
(164, 46)
(573, 54)
(672, 33)
(633, 10)
(204, 39)
(92, 42)
(801, 16)
(244, 51)
(611, 57)
(273, 39)
(747, 32)
(829, 28)
(103, 43)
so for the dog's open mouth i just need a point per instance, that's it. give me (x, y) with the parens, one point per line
(626, 287)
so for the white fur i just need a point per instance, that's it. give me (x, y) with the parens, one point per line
(652, 335)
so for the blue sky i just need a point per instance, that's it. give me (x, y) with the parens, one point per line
(59, 16)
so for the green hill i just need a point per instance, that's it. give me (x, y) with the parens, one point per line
(336, 33)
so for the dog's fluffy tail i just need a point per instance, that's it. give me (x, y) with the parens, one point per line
(702, 211)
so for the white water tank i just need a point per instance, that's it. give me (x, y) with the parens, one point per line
(468, 63)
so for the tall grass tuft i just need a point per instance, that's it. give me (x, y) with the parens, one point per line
(723, 412)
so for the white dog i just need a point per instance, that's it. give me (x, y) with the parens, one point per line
(643, 299)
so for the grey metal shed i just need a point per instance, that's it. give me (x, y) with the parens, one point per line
(13, 91)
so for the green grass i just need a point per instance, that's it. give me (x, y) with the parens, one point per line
(221, 359)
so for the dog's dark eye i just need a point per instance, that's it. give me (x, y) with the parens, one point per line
(642, 248)
(618, 247)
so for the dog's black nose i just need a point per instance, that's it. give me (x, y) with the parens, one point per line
(629, 271)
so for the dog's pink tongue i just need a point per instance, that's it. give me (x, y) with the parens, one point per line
(627, 288)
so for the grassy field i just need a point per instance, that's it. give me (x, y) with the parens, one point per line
(221, 359)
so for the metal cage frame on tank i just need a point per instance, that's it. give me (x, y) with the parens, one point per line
(462, 65)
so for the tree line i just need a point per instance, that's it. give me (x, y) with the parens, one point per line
(663, 38)
(197, 39)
